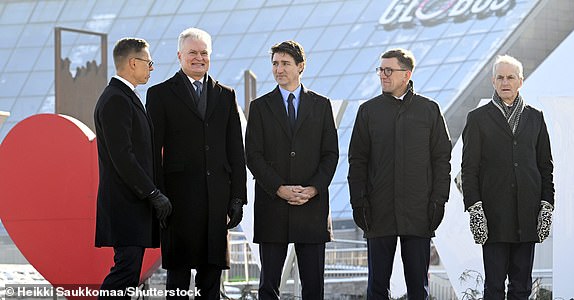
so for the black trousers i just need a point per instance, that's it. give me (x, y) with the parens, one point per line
(311, 262)
(207, 282)
(126, 270)
(415, 252)
(514, 260)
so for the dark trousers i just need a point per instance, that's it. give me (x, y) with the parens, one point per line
(514, 260)
(311, 262)
(126, 270)
(207, 282)
(415, 252)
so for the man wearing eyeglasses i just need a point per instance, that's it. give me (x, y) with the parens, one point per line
(130, 208)
(399, 176)
(200, 146)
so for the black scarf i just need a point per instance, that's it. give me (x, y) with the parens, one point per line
(512, 113)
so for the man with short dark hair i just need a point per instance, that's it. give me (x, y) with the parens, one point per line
(130, 208)
(399, 176)
(292, 151)
(507, 182)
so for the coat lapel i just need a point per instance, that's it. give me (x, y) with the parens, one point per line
(275, 103)
(179, 88)
(305, 108)
(213, 96)
(523, 120)
(498, 118)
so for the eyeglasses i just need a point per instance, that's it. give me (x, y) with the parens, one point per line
(387, 71)
(149, 62)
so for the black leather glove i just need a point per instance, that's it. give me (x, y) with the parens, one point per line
(478, 225)
(362, 216)
(235, 212)
(161, 205)
(544, 220)
(435, 213)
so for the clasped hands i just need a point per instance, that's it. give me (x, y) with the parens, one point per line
(296, 194)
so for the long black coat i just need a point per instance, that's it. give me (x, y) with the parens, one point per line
(399, 160)
(125, 141)
(276, 157)
(509, 173)
(203, 167)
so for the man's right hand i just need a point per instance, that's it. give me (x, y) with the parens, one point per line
(161, 205)
(478, 225)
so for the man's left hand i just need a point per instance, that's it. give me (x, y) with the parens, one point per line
(235, 213)
(304, 194)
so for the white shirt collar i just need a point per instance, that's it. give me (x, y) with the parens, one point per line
(129, 84)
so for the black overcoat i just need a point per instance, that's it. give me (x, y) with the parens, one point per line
(202, 168)
(306, 157)
(509, 173)
(399, 161)
(126, 170)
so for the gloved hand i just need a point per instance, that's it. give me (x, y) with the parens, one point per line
(235, 212)
(435, 213)
(544, 220)
(478, 225)
(161, 205)
(362, 216)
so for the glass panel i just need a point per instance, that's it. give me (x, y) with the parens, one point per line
(301, 11)
(420, 50)
(381, 38)
(154, 27)
(224, 46)
(36, 35)
(421, 75)
(219, 5)
(239, 21)
(178, 24)
(323, 14)
(366, 61)
(267, 19)
(167, 8)
(22, 60)
(338, 62)
(439, 52)
(10, 35)
(16, 12)
(4, 55)
(462, 50)
(38, 84)
(372, 14)
(350, 12)
(46, 11)
(77, 10)
(212, 22)
(441, 77)
(261, 67)
(358, 36)
(308, 37)
(100, 22)
(321, 85)
(137, 8)
(251, 45)
(164, 52)
(315, 62)
(331, 37)
(241, 4)
(25, 107)
(345, 86)
(11, 83)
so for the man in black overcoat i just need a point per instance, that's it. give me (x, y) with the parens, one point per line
(202, 167)
(125, 217)
(507, 182)
(292, 151)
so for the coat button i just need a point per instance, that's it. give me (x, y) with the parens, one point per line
(206, 147)
(208, 173)
(292, 154)
(516, 164)
(515, 143)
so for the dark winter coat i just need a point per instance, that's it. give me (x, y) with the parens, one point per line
(126, 170)
(306, 157)
(399, 161)
(509, 173)
(202, 168)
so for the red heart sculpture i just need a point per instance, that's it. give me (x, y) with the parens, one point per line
(48, 184)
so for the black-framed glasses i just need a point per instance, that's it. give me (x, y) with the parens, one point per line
(149, 62)
(387, 71)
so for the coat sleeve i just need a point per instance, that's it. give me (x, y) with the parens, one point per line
(329, 152)
(116, 117)
(359, 153)
(155, 109)
(440, 151)
(545, 163)
(471, 152)
(265, 175)
(236, 153)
